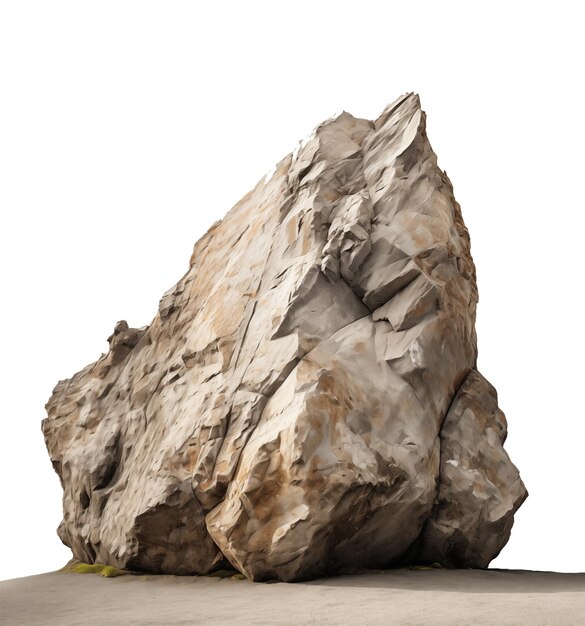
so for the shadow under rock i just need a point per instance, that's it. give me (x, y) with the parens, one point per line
(459, 580)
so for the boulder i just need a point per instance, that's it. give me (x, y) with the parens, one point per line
(306, 398)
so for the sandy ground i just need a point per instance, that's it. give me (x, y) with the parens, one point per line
(391, 597)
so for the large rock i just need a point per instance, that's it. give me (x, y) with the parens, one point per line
(306, 398)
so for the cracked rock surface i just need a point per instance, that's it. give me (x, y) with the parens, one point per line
(306, 398)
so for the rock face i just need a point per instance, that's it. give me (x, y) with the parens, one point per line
(306, 398)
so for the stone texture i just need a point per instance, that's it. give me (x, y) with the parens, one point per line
(306, 398)
(479, 486)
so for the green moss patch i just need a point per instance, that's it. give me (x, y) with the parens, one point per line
(107, 571)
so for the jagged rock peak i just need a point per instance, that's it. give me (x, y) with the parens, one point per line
(306, 398)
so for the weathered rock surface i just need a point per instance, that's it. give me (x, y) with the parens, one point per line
(306, 398)
(478, 487)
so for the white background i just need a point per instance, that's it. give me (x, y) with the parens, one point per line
(128, 128)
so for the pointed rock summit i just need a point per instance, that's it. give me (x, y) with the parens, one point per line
(306, 398)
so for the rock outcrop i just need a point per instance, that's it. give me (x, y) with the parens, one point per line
(306, 398)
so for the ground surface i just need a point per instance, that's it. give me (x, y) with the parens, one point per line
(390, 597)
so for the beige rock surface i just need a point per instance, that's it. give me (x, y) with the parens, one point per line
(306, 398)
(477, 478)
